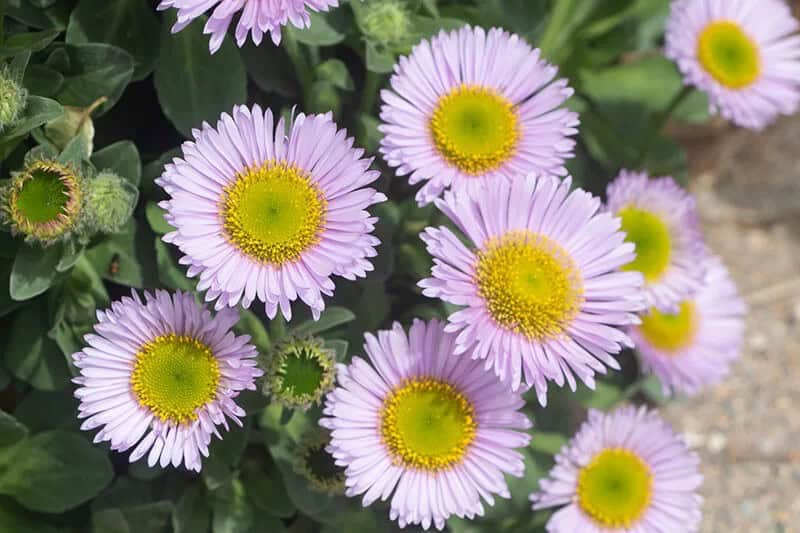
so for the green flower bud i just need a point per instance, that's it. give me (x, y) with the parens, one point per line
(12, 98)
(74, 122)
(300, 373)
(43, 202)
(316, 465)
(386, 21)
(110, 201)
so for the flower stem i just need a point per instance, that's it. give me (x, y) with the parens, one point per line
(301, 66)
(372, 83)
(658, 124)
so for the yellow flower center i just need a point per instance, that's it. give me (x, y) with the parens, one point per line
(427, 424)
(174, 376)
(615, 488)
(670, 332)
(530, 284)
(475, 129)
(651, 236)
(729, 54)
(273, 213)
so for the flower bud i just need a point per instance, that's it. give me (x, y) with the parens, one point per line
(75, 121)
(300, 373)
(12, 99)
(313, 462)
(386, 21)
(110, 201)
(43, 202)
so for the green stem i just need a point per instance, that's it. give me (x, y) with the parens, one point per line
(632, 390)
(372, 83)
(658, 124)
(2, 20)
(301, 66)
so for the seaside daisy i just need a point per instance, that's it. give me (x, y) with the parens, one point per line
(694, 346)
(540, 283)
(160, 374)
(434, 429)
(257, 17)
(471, 107)
(300, 372)
(660, 218)
(744, 54)
(262, 213)
(623, 471)
(43, 202)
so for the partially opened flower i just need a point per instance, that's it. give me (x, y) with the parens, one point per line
(43, 202)
(433, 431)
(471, 107)
(622, 472)
(300, 372)
(161, 375)
(745, 54)
(660, 218)
(317, 465)
(694, 347)
(540, 283)
(265, 214)
(257, 17)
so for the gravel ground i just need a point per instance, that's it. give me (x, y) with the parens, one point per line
(747, 429)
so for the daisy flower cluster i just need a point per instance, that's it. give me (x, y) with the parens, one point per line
(547, 284)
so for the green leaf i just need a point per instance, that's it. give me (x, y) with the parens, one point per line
(335, 72)
(14, 518)
(31, 356)
(10, 430)
(149, 517)
(170, 274)
(94, 71)
(320, 33)
(193, 85)
(250, 324)
(43, 410)
(54, 16)
(603, 396)
(267, 493)
(339, 347)
(155, 216)
(192, 513)
(34, 271)
(332, 317)
(122, 158)
(42, 80)
(32, 42)
(127, 24)
(270, 69)
(379, 59)
(652, 388)
(126, 257)
(547, 443)
(38, 111)
(53, 471)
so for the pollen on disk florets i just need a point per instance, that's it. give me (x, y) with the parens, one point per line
(43, 202)
(314, 463)
(386, 21)
(110, 201)
(12, 98)
(300, 372)
(273, 212)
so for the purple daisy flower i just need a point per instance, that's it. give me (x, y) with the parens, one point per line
(471, 107)
(264, 214)
(434, 429)
(160, 375)
(745, 54)
(660, 218)
(624, 471)
(695, 346)
(541, 288)
(258, 17)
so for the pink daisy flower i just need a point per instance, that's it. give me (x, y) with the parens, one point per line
(471, 107)
(257, 17)
(660, 218)
(744, 53)
(161, 375)
(695, 346)
(433, 431)
(623, 472)
(540, 285)
(269, 214)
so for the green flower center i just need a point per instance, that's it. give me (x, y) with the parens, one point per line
(301, 374)
(43, 197)
(427, 424)
(475, 129)
(729, 54)
(174, 376)
(615, 488)
(530, 284)
(653, 242)
(301, 371)
(273, 213)
(670, 332)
